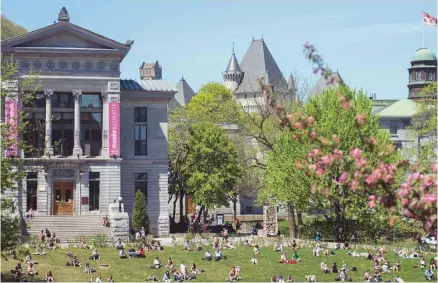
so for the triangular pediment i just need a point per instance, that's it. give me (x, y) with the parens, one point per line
(64, 35)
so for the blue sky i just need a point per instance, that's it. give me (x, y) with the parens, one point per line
(370, 42)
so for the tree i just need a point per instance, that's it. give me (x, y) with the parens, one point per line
(213, 164)
(140, 216)
(10, 29)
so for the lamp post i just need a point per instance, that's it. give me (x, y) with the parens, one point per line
(120, 203)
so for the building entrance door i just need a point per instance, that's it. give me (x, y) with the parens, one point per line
(63, 198)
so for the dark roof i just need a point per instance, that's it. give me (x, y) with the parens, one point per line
(184, 94)
(147, 85)
(256, 63)
(233, 65)
(323, 83)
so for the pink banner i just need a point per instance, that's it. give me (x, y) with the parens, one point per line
(114, 128)
(11, 117)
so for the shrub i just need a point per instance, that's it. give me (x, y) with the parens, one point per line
(140, 216)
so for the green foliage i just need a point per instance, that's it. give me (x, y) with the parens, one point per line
(140, 216)
(213, 163)
(10, 29)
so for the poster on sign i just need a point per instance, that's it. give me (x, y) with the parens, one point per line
(114, 128)
(11, 117)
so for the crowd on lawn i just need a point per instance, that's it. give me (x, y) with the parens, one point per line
(222, 242)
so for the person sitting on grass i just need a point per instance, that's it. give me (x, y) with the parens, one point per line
(187, 245)
(377, 277)
(29, 258)
(110, 279)
(278, 247)
(31, 269)
(283, 258)
(432, 264)
(217, 255)
(177, 276)
(119, 244)
(280, 278)
(232, 275)
(216, 243)
(324, 267)
(367, 276)
(256, 250)
(49, 277)
(296, 256)
(290, 279)
(398, 279)
(40, 250)
(157, 263)
(207, 256)
(122, 254)
(429, 274)
(344, 266)
(247, 243)
(274, 279)
(94, 255)
(84, 245)
(385, 267)
(75, 262)
(342, 275)
(51, 244)
(334, 268)
(194, 269)
(316, 250)
(379, 256)
(166, 277)
(132, 253)
(140, 253)
(294, 244)
(397, 266)
(99, 278)
(370, 256)
(169, 264)
(228, 245)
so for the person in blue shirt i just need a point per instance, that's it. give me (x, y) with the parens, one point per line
(318, 235)
(429, 274)
(217, 255)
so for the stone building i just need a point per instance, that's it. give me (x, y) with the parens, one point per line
(104, 138)
(151, 71)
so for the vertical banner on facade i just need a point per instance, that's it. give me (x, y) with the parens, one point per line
(114, 128)
(11, 117)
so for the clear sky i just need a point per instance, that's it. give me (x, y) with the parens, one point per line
(370, 42)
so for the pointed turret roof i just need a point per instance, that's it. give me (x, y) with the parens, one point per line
(233, 65)
(323, 83)
(256, 63)
(184, 94)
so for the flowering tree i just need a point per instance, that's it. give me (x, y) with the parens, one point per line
(374, 179)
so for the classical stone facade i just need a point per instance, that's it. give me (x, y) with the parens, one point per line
(104, 137)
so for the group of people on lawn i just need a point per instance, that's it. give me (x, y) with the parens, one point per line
(49, 239)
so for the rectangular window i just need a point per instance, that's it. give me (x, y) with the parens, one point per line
(140, 135)
(31, 190)
(62, 100)
(141, 183)
(94, 190)
(91, 101)
(34, 134)
(248, 209)
(418, 76)
(393, 129)
(430, 76)
(140, 114)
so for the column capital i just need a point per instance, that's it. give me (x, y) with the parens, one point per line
(48, 93)
(77, 94)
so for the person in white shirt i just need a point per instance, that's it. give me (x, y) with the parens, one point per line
(283, 258)
(187, 245)
(122, 254)
(157, 263)
(99, 279)
(208, 256)
(183, 268)
(324, 267)
(422, 263)
(217, 255)
(256, 250)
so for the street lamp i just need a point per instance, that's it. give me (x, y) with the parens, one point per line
(120, 203)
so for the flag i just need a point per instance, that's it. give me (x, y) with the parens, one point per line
(429, 20)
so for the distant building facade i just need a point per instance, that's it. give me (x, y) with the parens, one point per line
(151, 71)
(104, 137)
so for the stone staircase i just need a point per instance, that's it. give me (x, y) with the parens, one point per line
(68, 227)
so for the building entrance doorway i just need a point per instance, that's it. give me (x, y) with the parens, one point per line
(63, 198)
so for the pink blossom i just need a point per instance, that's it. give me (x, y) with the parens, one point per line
(361, 163)
(372, 141)
(313, 135)
(404, 190)
(372, 197)
(354, 185)
(312, 167)
(310, 120)
(336, 139)
(431, 198)
(298, 126)
(355, 153)
(343, 177)
(434, 167)
(372, 204)
(345, 105)
(360, 119)
(319, 171)
(428, 181)
(405, 202)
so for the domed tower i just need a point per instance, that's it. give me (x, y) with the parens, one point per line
(422, 71)
(233, 75)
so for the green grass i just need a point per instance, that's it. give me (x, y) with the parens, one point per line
(138, 269)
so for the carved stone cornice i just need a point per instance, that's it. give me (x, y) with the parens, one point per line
(77, 94)
(48, 93)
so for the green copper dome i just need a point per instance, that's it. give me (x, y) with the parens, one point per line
(424, 54)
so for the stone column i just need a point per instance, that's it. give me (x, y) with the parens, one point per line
(105, 125)
(77, 149)
(48, 146)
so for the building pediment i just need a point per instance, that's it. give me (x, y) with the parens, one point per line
(64, 37)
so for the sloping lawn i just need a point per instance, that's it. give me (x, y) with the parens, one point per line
(124, 270)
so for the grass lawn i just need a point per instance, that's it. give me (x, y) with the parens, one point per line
(124, 270)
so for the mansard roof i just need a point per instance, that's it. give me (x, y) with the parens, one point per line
(65, 37)
(257, 62)
(147, 85)
(184, 94)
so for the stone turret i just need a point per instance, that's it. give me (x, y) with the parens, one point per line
(233, 75)
(422, 72)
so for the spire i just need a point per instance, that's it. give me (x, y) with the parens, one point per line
(63, 15)
(233, 65)
(233, 47)
(233, 75)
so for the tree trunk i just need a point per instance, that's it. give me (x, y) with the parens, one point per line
(181, 209)
(200, 213)
(300, 217)
(291, 219)
(234, 209)
(174, 208)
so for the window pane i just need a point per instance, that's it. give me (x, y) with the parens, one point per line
(143, 133)
(94, 175)
(32, 175)
(90, 101)
(141, 176)
(137, 132)
(140, 114)
(62, 100)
